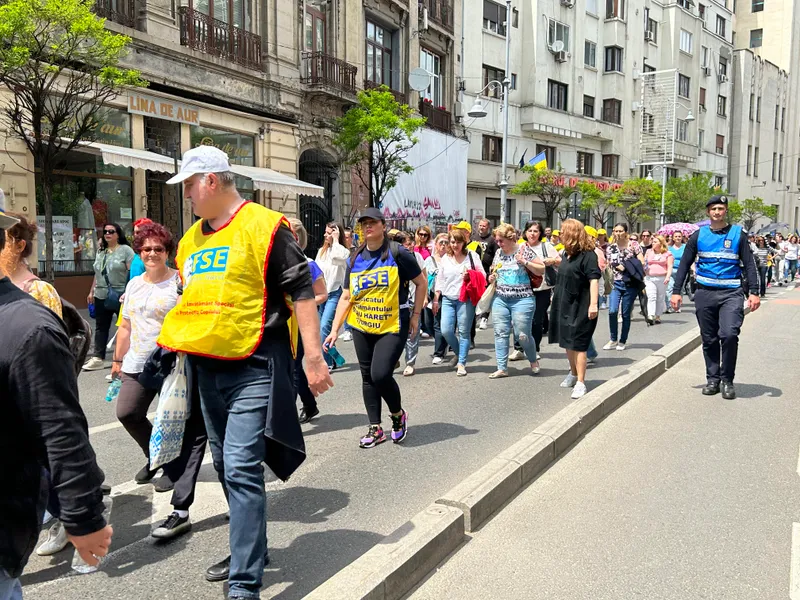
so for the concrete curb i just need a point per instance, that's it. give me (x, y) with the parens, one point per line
(392, 568)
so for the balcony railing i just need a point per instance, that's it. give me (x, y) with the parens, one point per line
(399, 96)
(119, 11)
(437, 118)
(218, 38)
(320, 69)
(439, 11)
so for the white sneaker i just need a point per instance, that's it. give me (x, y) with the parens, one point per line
(437, 360)
(347, 336)
(484, 323)
(94, 364)
(620, 347)
(109, 377)
(408, 371)
(425, 336)
(461, 371)
(591, 361)
(516, 355)
(56, 541)
(578, 391)
(569, 381)
(610, 346)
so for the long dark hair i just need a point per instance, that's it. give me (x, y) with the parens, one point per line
(122, 240)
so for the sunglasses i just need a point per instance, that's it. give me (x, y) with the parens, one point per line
(422, 234)
(109, 231)
(153, 250)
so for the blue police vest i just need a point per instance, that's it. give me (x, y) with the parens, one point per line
(718, 263)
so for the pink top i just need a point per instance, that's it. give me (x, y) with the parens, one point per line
(423, 250)
(657, 264)
(601, 258)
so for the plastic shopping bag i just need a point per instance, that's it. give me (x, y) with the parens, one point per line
(171, 415)
(485, 303)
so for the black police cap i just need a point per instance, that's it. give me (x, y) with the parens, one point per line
(719, 199)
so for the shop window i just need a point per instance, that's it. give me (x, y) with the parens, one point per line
(240, 149)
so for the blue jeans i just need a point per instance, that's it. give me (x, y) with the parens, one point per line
(516, 312)
(461, 314)
(326, 313)
(10, 587)
(626, 296)
(235, 402)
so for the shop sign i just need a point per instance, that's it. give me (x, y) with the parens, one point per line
(150, 106)
(561, 181)
(239, 148)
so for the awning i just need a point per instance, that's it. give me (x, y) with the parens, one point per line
(130, 157)
(278, 183)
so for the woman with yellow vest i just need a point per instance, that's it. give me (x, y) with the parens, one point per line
(376, 305)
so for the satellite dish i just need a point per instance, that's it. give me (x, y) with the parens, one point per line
(419, 79)
(557, 46)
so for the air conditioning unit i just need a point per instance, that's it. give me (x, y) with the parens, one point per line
(706, 71)
(722, 78)
(561, 56)
(568, 3)
(648, 36)
(424, 19)
(635, 106)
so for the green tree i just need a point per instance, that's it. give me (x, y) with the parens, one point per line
(62, 65)
(750, 210)
(637, 198)
(549, 186)
(374, 137)
(598, 202)
(686, 197)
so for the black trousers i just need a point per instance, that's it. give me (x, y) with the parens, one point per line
(377, 355)
(541, 323)
(762, 280)
(720, 313)
(103, 318)
(301, 381)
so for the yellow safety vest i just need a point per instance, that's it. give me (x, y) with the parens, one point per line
(223, 308)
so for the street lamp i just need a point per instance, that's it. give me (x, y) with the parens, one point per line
(478, 111)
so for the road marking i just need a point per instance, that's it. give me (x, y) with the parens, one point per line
(110, 426)
(794, 579)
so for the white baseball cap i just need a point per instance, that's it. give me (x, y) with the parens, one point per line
(203, 159)
(6, 222)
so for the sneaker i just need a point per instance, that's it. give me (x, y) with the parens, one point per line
(425, 336)
(484, 323)
(578, 391)
(173, 526)
(569, 381)
(347, 336)
(374, 437)
(453, 362)
(620, 347)
(109, 377)
(94, 364)
(610, 346)
(145, 474)
(535, 368)
(56, 541)
(461, 370)
(516, 355)
(591, 361)
(399, 427)
(408, 371)
(437, 360)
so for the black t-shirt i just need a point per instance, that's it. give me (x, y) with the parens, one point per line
(407, 268)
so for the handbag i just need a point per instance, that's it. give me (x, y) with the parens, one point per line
(485, 303)
(536, 279)
(172, 413)
(111, 303)
(550, 273)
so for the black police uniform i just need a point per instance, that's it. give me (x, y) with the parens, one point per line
(724, 257)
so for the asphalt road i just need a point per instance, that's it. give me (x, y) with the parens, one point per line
(676, 496)
(343, 500)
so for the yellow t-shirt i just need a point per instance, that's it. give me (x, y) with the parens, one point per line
(46, 294)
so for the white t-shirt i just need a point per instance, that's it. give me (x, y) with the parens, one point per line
(333, 264)
(544, 250)
(412, 287)
(792, 251)
(450, 277)
(146, 305)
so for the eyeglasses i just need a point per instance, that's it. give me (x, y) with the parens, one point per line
(153, 250)
(645, 235)
(109, 231)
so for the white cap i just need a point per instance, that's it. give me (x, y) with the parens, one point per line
(203, 159)
(6, 222)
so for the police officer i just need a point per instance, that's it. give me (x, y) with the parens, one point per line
(723, 258)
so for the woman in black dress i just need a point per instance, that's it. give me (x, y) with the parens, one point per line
(574, 314)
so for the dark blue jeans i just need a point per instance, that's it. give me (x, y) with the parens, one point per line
(621, 296)
(327, 311)
(234, 403)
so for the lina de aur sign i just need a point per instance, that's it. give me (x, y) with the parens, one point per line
(141, 104)
(561, 180)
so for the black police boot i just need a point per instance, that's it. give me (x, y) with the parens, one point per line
(728, 391)
(712, 388)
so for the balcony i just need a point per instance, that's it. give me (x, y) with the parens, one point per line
(322, 70)
(218, 38)
(118, 11)
(437, 118)
(399, 96)
(440, 12)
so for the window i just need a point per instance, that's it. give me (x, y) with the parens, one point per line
(556, 95)
(719, 181)
(752, 105)
(379, 49)
(777, 114)
(610, 165)
(749, 152)
(585, 164)
(687, 4)
(612, 110)
(756, 36)
(494, 17)
(700, 140)
(549, 154)
(701, 10)
(682, 130)
(797, 175)
(702, 97)
(591, 7)
(651, 26)
(720, 147)
(783, 119)
(720, 26)
(722, 105)
(648, 123)
(557, 30)
(774, 164)
(757, 6)
(613, 59)
(723, 66)
(590, 54)
(493, 74)
(683, 86)
(433, 65)
(588, 106)
(686, 41)
(672, 173)
(758, 109)
(780, 167)
(492, 148)
(704, 56)
(755, 162)
(615, 9)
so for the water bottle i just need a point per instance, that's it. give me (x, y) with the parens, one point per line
(113, 389)
(337, 358)
(78, 564)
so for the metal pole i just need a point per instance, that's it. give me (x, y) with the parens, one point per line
(506, 87)
(663, 192)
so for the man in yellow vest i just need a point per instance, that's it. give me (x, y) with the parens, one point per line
(246, 284)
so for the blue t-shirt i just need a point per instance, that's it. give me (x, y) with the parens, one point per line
(137, 266)
(678, 254)
(316, 272)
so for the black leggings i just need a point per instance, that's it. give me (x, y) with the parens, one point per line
(540, 319)
(103, 319)
(377, 355)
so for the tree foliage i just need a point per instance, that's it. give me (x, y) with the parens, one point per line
(637, 198)
(599, 203)
(61, 64)
(686, 197)
(750, 210)
(380, 124)
(549, 186)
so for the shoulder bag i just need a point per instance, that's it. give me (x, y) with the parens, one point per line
(550, 273)
(111, 303)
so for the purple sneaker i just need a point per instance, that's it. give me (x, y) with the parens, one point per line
(374, 437)
(399, 427)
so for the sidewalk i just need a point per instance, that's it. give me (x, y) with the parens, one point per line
(674, 496)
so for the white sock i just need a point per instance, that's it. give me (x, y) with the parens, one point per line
(181, 513)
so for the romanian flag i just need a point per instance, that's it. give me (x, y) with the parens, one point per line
(539, 161)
